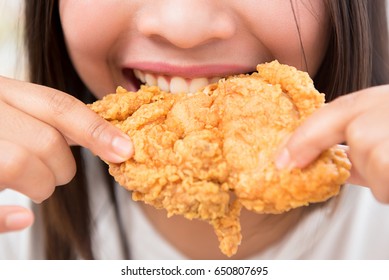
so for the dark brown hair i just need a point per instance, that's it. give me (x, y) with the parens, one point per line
(357, 57)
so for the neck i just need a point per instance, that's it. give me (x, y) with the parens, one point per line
(196, 240)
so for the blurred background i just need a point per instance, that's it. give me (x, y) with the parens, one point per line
(12, 60)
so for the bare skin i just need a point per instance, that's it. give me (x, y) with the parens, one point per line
(200, 43)
(363, 126)
(258, 231)
(35, 127)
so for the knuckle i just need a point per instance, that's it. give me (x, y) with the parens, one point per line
(67, 175)
(54, 145)
(12, 165)
(354, 134)
(97, 130)
(19, 171)
(378, 166)
(44, 190)
(60, 103)
(379, 161)
(43, 195)
(50, 140)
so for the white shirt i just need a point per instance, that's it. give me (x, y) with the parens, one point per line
(352, 226)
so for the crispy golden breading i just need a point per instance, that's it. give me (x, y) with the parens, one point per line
(205, 155)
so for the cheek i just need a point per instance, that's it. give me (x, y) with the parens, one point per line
(312, 23)
(296, 35)
(83, 24)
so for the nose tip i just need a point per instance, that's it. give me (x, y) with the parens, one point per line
(185, 25)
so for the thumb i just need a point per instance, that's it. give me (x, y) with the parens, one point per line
(15, 218)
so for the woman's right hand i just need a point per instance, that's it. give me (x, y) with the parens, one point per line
(37, 125)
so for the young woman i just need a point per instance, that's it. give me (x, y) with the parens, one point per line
(88, 48)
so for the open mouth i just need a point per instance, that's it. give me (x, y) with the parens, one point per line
(173, 84)
(169, 83)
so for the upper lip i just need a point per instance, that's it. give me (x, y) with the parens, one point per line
(190, 71)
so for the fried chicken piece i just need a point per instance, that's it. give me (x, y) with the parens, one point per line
(205, 155)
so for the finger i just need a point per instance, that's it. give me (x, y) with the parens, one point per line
(355, 177)
(40, 139)
(377, 175)
(25, 172)
(325, 128)
(71, 117)
(15, 218)
(364, 137)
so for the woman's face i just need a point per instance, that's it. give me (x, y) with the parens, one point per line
(183, 45)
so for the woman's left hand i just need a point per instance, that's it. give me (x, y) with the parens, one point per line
(361, 120)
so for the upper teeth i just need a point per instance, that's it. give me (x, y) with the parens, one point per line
(174, 84)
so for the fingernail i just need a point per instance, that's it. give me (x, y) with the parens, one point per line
(18, 220)
(123, 147)
(283, 160)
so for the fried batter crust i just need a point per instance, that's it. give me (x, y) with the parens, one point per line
(205, 155)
